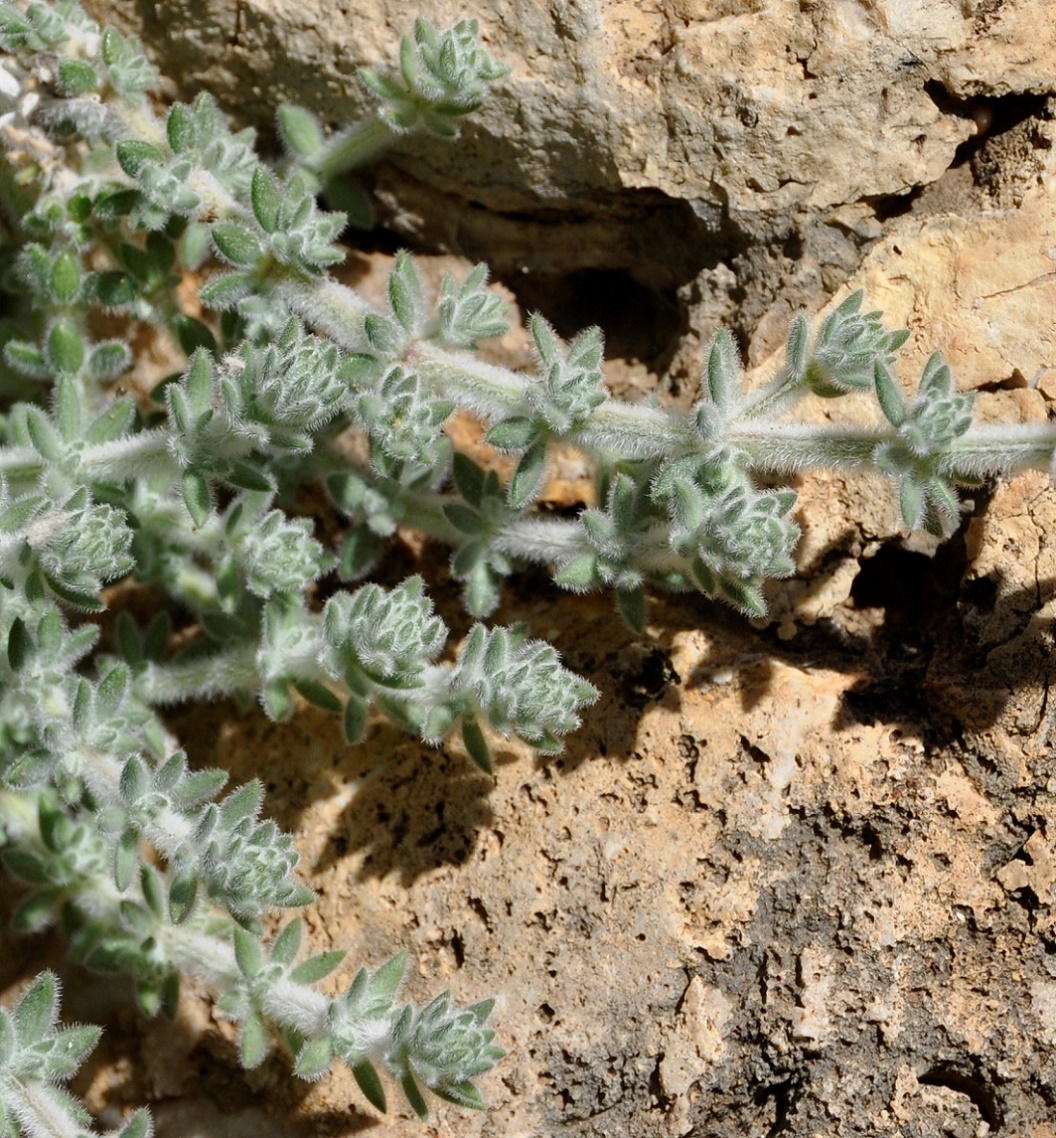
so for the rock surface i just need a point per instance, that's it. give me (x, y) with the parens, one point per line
(664, 140)
(798, 880)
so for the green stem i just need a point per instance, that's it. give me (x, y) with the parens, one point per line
(208, 676)
(352, 148)
(776, 397)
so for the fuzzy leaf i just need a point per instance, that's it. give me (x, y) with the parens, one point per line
(225, 292)
(723, 370)
(511, 435)
(266, 198)
(315, 1058)
(65, 277)
(134, 156)
(461, 1094)
(180, 128)
(236, 243)
(285, 946)
(300, 130)
(405, 293)
(354, 719)
(65, 347)
(632, 607)
(312, 970)
(476, 744)
(196, 497)
(153, 888)
(252, 1042)
(528, 477)
(37, 1010)
(36, 912)
(888, 396)
(182, 894)
(368, 1082)
(248, 953)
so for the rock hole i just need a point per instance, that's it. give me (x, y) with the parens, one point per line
(968, 1083)
(546, 1013)
(888, 206)
(753, 752)
(992, 116)
(639, 322)
(916, 590)
(783, 1097)
(980, 593)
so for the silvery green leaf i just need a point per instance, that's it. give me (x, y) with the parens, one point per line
(134, 780)
(300, 130)
(312, 970)
(888, 395)
(944, 500)
(369, 1083)
(476, 744)
(126, 860)
(236, 243)
(527, 479)
(545, 340)
(285, 946)
(580, 574)
(196, 497)
(70, 1048)
(248, 953)
(314, 1059)
(135, 156)
(632, 607)
(179, 128)
(936, 380)
(64, 347)
(461, 1094)
(27, 359)
(384, 335)
(65, 277)
(227, 291)
(68, 409)
(252, 1042)
(797, 348)
(108, 360)
(183, 891)
(911, 502)
(35, 1013)
(405, 294)
(724, 370)
(138, 1125)
(266, 197)
(514, 434)
(153, 889)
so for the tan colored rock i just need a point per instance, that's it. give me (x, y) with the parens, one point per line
(627, 132)
(766, 106)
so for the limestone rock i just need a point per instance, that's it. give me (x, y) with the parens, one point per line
(638, 136)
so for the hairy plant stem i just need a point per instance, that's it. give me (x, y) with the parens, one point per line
(353, 148)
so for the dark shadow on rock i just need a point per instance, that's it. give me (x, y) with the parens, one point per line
(413, 809)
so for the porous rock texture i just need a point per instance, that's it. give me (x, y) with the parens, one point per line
(797, 879)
